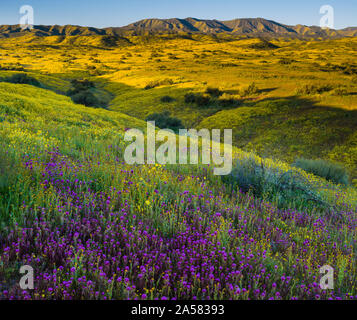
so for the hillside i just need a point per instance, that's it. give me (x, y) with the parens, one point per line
(69, 204)
(95, 227)
(238, 27)
(301, 107)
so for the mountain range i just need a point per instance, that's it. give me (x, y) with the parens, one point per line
(241, 27)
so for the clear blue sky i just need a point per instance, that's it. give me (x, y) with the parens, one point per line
(105, 13)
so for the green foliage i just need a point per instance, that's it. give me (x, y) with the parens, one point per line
(79, 86)
(81, 93)
(8, 174)
(250, 90)
(200, 100)
(23, 78)
(214, 92)
(330, 171)
(158, 83)
(311, 89)
(284, 189)
(167, 99)
(346, 68)
(227, 101)
(190, 98)
(12, 67)
(109, 41)
(86, 98)
(263, 45)
(163, 120)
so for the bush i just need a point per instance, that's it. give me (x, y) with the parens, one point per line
(163, 120)
(158, 83)
(202, 100)
(81, 93)
(167, 99)
(190, 98)
(109, 41)
(263, 45)
(248, 175)
(12, 67)
(345, 68)
(227, 101)
(330, 171)
(214, 92)
(284, 189)
(86, 98)
(23, 78)
(198, 99)
(79, 86)
(250, 90)
(310, 89)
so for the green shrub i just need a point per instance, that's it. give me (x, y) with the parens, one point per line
(79, 86)
(263, 45)
(289, 189)
(109, 41)
(81, 93)
(23, 78)
(86, 98)
(12, 67)
(248, 175)
(250, 90)
(167, 99)
(163, 120)
(330, 171)
(227, 101)
(202, 100)
(346, 68)
(310, 89)
(190, 98)
(158, 83)
(214, 92)
(198, 99)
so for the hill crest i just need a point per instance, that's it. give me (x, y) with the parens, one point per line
(251, 27)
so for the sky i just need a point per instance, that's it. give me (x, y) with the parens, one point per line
(116, 13)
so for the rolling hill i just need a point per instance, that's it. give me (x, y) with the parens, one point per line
(94, 227)
(251, 27)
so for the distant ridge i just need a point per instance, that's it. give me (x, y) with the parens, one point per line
(252, 27)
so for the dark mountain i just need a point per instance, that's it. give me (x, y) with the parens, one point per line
(247, 27)
(55, 30)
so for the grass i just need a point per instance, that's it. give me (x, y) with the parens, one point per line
(328, 170)
(71, 207)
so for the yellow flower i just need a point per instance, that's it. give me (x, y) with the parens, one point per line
(147, 202)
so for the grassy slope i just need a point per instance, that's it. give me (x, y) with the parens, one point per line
(284, 127)
(33, 121)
